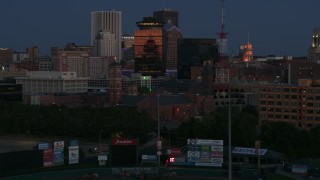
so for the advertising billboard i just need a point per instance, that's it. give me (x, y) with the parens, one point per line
(205, 152)
(58, 151)
(48, 157)
(73, 151)
(124, 152)
(73, 154)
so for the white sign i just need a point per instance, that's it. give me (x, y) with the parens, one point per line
(73, 154)
(217, 148)
(208, 164)
(58, 144)
(102, 157)
(217, 160)
(299, 168)
(205, 142)
(149, 157)
(249, 151)
(193, 154)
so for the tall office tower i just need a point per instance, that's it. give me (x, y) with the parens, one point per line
(127, 47)
(107, 21)
(167, 14)
(148, 47)
(314, 49)
(172, 34)
(194, 52)
(105, 44)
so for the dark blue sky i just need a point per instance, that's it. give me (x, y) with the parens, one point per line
(280, 27)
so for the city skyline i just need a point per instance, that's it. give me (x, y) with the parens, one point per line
(274, 27)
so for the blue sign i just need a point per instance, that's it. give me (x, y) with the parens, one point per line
(74, 142)
(43, 146)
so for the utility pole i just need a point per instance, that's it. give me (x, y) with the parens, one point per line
(100, 142)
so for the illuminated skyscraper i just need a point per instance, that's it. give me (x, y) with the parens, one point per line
(148, 47)
(110, 21)
(314, 50)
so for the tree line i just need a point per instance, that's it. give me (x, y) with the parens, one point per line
(82, 122)
(88, 123)
(295, 143)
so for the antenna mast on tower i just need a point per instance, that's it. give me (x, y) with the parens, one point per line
(222, 72)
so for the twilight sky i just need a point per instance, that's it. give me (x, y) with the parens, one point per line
(280, 27)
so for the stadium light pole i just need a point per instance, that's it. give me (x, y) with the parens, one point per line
(229, 136)
(158, 142)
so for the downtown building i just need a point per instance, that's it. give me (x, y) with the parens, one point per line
(171, 35)
(296, 104)
(167, 14)
(194, 52)
(37, 84)
(109, 23)
(127, 45)
(314, 49)
(148, 48)
(81, 63)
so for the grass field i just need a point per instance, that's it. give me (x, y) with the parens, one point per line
(279, 177)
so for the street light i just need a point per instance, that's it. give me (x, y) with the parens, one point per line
(158, 142)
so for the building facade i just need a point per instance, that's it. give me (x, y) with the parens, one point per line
(110, 21)
(81, 63)
(127, 48)
(148, 49)
(167, 14)
(314, 49)
(41, 82)
(172, 34)
(5, 56)
(115, 88)
(295, 104)
(194, 52)
(105, 44)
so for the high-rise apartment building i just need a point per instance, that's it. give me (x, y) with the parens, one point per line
(109, 21)
(167, 14)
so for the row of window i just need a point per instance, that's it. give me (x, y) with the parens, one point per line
(293, 90)
(288, 117)
(281, 110)
(286, 96)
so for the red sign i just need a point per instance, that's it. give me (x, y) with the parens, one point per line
(217, 154)
(48, 157)
(174, 151)
(124, 142)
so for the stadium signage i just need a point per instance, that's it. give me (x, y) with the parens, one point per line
(124, 142)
